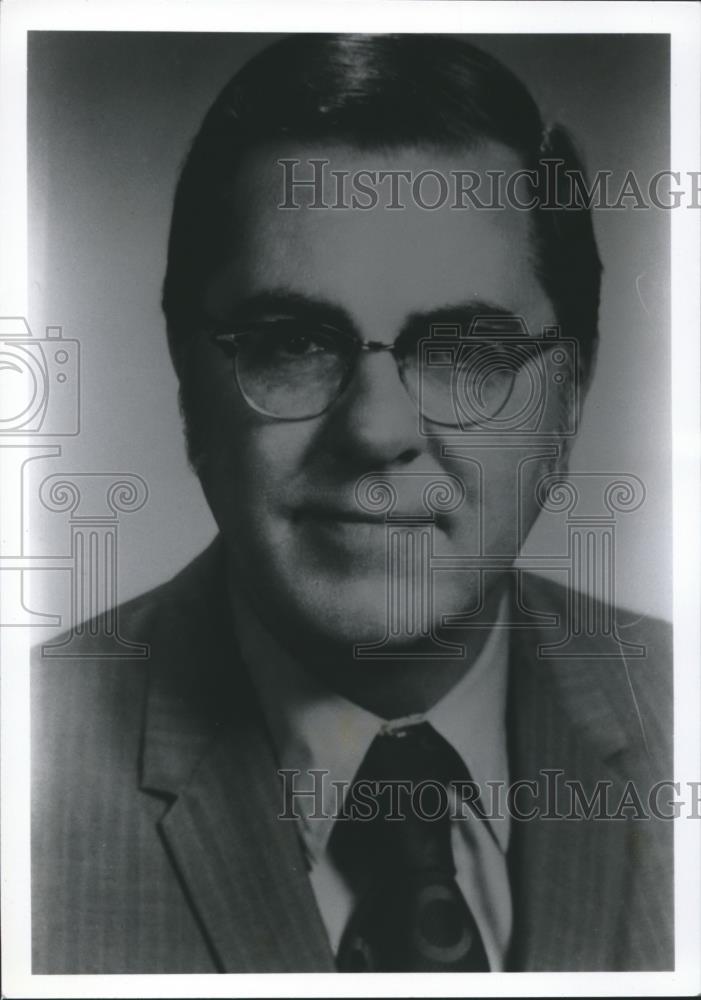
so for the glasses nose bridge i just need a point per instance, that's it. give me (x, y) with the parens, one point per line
(369, 347)
(379, 347)
(376, 346)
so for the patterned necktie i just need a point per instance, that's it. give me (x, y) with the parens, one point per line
(411, 915)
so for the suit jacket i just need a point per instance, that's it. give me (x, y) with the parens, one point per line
(155, 840)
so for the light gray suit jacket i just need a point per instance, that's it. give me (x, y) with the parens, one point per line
(155, 840)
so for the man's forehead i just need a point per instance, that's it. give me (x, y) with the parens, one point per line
(382, 261)
(343, 167)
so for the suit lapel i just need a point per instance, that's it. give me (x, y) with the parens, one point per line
(568, 876)
(206, 750)
(243, 868)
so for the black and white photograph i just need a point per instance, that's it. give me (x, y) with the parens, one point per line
(349, 357)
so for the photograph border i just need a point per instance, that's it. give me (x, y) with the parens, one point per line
(682, 22)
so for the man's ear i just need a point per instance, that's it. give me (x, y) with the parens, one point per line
(559, 465)
(555, 468)
(561, 462)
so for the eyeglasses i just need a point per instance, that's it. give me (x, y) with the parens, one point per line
(293, 370)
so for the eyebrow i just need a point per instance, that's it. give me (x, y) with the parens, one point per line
(286, 303)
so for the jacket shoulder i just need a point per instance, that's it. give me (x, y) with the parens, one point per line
(95, 844)
(627, 657)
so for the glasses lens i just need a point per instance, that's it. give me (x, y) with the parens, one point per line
(481, 384)
(289, 372)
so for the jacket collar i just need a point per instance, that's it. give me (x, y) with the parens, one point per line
(206, 751)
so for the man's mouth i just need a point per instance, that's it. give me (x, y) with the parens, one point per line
(323, 514)
(340, 515)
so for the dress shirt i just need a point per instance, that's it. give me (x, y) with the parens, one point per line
(315, 729)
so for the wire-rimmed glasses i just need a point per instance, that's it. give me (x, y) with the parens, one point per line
(295, 370)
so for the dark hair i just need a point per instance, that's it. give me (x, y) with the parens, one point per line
(373, 91)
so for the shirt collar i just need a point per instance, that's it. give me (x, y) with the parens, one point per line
(315, 729)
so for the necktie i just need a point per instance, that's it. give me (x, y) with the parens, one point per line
(394, 847)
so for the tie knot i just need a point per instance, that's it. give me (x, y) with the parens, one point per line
(397, 811)
(414, 753)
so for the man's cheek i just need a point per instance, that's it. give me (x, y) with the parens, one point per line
(461, 535)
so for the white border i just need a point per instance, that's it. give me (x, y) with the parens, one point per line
(682, 21)
(686, 502)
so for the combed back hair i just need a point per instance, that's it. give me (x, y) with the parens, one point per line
(373, 92)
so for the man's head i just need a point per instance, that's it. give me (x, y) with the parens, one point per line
(281, 486)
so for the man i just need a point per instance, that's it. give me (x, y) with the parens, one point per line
(380, 385)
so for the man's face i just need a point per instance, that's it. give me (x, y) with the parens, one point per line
(282, 492)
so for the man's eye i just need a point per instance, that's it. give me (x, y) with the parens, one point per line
(296, 344)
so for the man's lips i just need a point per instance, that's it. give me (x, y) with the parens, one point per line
(340, 514)
(322, 514)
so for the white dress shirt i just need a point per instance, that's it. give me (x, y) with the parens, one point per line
(313, 728)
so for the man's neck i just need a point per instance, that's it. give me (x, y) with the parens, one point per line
(400, 686)
(409, 681)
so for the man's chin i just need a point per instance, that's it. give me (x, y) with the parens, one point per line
(338, 615)
(344, 623)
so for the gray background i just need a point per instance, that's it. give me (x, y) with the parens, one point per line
(110, 118)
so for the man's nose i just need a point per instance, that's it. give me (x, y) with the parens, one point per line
(375, 420)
